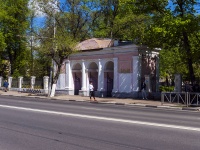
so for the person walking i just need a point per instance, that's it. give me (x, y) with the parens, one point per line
(196, 87)
(92, 91)
(188, 87)
(5, 85)
(143, 89)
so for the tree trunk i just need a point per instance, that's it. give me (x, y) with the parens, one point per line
(55, 79)
(189, 56)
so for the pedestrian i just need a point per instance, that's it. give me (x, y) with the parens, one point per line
(143, 89)
(92, 91)
(5, 85)
(188, 87)
(196, 87)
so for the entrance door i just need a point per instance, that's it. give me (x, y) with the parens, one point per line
(77, 85)
(109, 86)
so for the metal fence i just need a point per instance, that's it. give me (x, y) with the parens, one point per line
(26, 83)
(14, 83)
(38, 84)
(185, 98)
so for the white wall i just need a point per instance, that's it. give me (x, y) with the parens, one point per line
(125, 82)
(61, 82)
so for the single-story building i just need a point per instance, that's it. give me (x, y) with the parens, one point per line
(116, 69)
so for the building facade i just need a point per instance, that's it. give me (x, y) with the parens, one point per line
(116, 70)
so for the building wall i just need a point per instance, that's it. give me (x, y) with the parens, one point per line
(125, 72)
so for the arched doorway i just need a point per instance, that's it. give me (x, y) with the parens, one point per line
(77, 77)
(108, 78)
(93, 74)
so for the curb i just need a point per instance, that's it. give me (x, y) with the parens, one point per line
(115, 103)
(191, 109)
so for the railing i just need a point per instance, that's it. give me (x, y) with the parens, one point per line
(186, 98)
(26, 83)
(14, 83)
(38, 84)
(31, 91)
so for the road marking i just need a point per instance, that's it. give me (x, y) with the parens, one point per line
(24, 102)
(104, 118)
(91, 108)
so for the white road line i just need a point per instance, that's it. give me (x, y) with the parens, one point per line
(91, 108)
(24, 102)
(104, 118)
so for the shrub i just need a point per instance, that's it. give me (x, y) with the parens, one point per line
(166, 88)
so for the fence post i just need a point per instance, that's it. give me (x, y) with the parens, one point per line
(10, 82)
(45, 81)
(187, 99)
(170, 97)
(162, 98)
(1, 78)
(20, 80)
(32, 82)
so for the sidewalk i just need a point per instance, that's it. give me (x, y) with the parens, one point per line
(106, 100)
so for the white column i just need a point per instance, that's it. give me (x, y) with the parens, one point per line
(45, 85)
(157, 73)
(1, 78)
(20, 80)
(83, 88)
(148, 83)
(100, 76)
(115, 86)
(68, 75)
(135, 75)
(32, 81)
(10, 82)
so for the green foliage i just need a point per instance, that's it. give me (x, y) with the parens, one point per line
(2, 43)
(171, 62)
(117, 21)
(13, 24)
(166, 88)
(172, 27)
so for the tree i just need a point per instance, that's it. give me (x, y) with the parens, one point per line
(74, 21)
(172, 25)
(117, 21)
(13, 25)
(2, 39)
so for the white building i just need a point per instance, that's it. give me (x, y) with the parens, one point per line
(115, 68)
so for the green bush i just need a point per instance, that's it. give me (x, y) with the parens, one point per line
(166, 88)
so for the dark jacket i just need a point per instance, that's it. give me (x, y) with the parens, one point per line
(5, 84)
(196, 88)
(143, 86)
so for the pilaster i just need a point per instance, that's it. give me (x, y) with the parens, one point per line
(10, 82)
(83, 88)
(20, 81)
(46, 83)
(115, 86)
(135, 74)
(1, 81)
(32, 81)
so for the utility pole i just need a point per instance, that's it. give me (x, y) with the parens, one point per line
(54, 48)
(32, 17)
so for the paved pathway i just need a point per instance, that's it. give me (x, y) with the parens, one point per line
(117, 101)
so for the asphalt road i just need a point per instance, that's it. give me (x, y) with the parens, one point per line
(34, 124)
